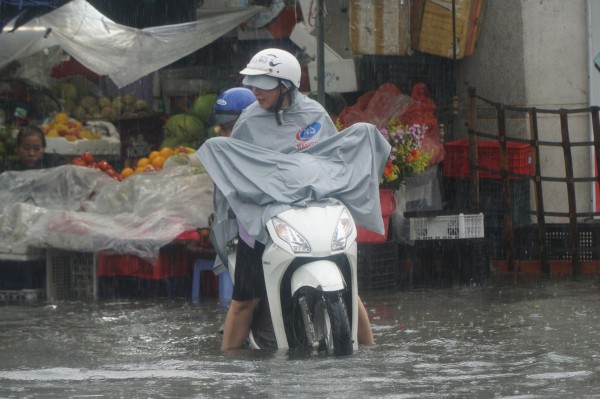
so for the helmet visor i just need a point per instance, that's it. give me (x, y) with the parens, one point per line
(221, 118)
(262, 82)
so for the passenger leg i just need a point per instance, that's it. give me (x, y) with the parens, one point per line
(364, 332)
(237, 323)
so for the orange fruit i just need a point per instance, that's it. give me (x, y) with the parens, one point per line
(61, 117)
(126, 172)
(52, 133)
(153, 154)
(166, 152)
(139, 169)
(158, 161)
(143, 162)
(61, 126)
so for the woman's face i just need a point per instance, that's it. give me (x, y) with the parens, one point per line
(30, 150)
(226, 128)
(268, 98)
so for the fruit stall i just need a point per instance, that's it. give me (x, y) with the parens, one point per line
(110, 205)
(111, 133)
(82, 223)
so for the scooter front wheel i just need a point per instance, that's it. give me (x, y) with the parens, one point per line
(321, 325)
(340, 326)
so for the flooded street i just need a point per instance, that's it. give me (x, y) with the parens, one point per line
(503, 340)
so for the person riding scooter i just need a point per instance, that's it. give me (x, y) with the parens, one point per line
(285, 121)
(228, 107)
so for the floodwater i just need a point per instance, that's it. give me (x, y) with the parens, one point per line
(501, 340)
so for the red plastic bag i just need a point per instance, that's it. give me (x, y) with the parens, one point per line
(422, 112)
(376, 107)
(379, 106)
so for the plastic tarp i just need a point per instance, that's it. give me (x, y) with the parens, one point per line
(23, 11)
(82, 209)
(123, 53)
(257, 183)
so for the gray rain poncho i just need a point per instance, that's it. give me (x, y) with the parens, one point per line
(256, 183)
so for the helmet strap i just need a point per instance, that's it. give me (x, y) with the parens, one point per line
(277, 107)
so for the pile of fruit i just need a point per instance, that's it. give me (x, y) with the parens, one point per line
(70, 129)
(82, 100)
(87, 159)
(155, 160)
(191, 127)
(151, 163)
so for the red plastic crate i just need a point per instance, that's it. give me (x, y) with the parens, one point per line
(170, 263)
(456, 160)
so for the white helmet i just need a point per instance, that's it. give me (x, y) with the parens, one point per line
(276, 63)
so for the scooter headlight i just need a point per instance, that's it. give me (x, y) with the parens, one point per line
(342, 231)
(291, 236)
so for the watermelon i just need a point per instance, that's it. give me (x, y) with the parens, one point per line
(202, 106)
(185, 128)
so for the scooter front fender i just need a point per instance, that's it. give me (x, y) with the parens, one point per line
(321, 274)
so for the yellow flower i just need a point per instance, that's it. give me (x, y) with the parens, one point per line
(407, 157)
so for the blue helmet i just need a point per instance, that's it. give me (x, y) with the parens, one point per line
(230, 104)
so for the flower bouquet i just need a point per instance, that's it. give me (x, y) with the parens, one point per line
(407, 157)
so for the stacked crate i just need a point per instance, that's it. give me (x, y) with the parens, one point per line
(441, 263)
(448, 248)
(378, 265)
(70, 275)
(457, 185)
(558, 242)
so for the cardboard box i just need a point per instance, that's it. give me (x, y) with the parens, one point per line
(139, 136)
(436, 33)
(340, 76)
(380, 27)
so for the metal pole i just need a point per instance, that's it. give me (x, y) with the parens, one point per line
(321, 53)
(454, 32)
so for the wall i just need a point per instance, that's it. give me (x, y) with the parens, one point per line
(534, 53)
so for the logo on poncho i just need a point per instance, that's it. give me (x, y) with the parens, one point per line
(308, 132)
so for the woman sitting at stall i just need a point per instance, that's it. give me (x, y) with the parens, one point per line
(31, 146)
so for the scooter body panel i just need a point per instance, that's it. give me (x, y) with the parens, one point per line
(314, 269)
(322, 275)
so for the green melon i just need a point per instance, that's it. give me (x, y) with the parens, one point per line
(66, 91)
(202, 106)
(185, 128)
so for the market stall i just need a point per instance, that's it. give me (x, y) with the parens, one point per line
(83, 210)
(124, 205)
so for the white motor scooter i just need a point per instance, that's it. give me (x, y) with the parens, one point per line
(310, 266)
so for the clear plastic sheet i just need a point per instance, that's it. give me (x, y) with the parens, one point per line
(422, 192)
(123, 53)
(82, 209)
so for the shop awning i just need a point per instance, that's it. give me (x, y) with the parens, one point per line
(123, 53)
